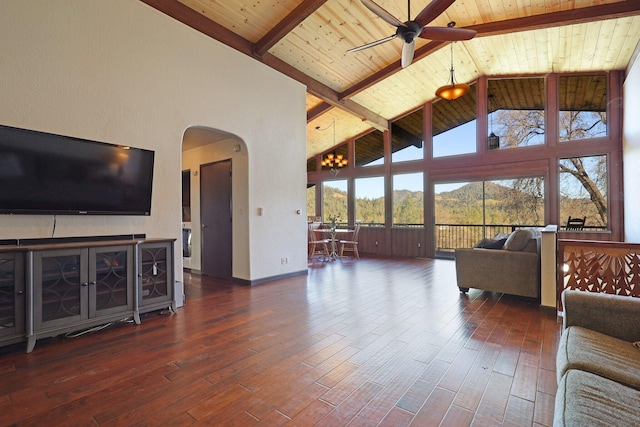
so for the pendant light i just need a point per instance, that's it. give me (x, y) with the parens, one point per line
(454, 90)
(333, 161)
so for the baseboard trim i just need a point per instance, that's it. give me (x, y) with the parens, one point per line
(268, 279)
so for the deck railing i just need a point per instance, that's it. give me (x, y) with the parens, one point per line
(452, 236)
(594, 266)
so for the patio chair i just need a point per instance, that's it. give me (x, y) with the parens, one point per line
(317, 245)
(351, 245)
(575, 223)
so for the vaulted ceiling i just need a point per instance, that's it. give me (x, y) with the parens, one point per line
(308, 41)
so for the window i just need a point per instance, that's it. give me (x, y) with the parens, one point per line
(370, 149)
(408, 200)
(370, 201)
(407, 141)
(466, 212)
(516, 112)
(454, 125)
(514, 202)
(583, 107)
(335, 200)
(583, 191)
(311, 200)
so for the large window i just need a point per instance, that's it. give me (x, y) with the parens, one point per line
(514, 202)
(583, 107)
(583, 191)
(469, 211)
(516, 112)
(408, 200)
(335, 196)
(311, 200)
(370, 201)
(454, 125)
(370, 149)
(407, 142)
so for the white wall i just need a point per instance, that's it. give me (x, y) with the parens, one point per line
(119, 71)
(631, 151)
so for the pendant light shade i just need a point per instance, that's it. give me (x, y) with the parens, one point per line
(453, 90)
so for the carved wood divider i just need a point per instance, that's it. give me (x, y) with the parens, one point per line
(596, 266)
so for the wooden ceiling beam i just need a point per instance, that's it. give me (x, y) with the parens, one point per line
(318, 110)
(198, 22)
(554, 19)
(282, 28)
(201, 23)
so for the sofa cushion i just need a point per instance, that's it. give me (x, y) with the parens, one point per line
(488, 243)
(581, 348)
(517, 240)
(585, 399)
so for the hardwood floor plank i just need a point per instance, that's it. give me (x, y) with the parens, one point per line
(519, 412)
(419, 392)
(492, 406)
(377, 341)
(544, 407)
(435, 408)
(457, 417)
(396, 418)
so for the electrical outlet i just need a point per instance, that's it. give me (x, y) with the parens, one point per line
(282, 261)
(286, 260)
(419, 245)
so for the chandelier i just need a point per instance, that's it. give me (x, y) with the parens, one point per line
(453, 90)
(333, 161)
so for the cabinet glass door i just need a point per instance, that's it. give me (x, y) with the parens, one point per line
(155, 273)
(110, 274)
(11, 294)
(61, 286)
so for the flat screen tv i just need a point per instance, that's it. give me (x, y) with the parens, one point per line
(43, 173)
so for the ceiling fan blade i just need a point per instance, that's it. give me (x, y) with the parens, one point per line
(382, 14)
(447, 34)
(372, 44)
(432, 11)
(407, 53)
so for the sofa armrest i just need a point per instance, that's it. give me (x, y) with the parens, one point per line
(614, 315)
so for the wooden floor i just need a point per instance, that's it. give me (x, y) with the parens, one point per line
(367, 342)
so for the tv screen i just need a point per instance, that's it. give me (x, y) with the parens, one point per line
(42, 173)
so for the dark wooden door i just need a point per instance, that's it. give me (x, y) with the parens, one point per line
(215, 206)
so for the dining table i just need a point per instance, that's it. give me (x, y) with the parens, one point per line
(333, 232)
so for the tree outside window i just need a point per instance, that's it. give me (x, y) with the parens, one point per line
(335, 201)
(408, 200)
(583, 107)
(583, 191)
(516, 111)
(370, 201)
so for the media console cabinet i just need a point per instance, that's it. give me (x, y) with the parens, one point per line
(51, 288)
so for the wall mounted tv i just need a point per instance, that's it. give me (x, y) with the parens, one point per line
(42, 173)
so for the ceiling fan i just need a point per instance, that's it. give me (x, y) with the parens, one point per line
(408, 31)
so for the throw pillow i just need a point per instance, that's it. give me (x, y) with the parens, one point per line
(517, 240)
(498, 244)
(484, 242)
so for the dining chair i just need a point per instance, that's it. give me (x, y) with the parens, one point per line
(351, 245)
(317, 245)
(575, 223)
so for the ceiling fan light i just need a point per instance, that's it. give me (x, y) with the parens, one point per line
(451, 92)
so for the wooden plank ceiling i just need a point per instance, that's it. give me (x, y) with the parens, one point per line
(308, 39)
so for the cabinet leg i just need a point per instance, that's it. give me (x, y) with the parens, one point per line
(31, 343)
(136, 317)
